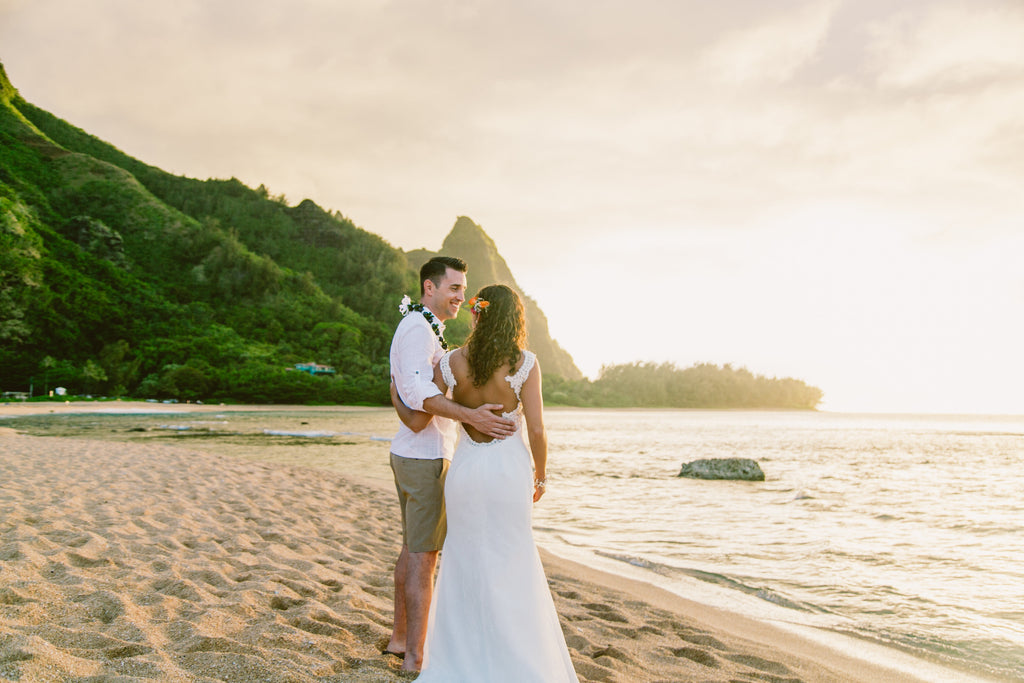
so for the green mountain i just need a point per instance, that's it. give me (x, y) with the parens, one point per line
(117, 277)
(469, 241)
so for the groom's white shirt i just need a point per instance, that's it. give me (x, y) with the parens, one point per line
(415, 350)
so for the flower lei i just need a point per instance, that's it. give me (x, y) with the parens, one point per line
(478, 305)
(438, 327)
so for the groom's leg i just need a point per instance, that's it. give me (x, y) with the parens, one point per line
(397, 642)
(419, 587)
(420, 486)
(398, 632)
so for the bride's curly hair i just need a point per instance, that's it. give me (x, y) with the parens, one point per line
(499, 335)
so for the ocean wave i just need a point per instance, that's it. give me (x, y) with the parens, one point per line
(308, 435)
(639, 562)
(761, 592)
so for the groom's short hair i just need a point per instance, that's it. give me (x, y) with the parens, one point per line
(435, 268)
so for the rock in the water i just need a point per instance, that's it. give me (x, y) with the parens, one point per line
(723, 468)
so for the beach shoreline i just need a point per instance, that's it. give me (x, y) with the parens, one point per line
(226, 597)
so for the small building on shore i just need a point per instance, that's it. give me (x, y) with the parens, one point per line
(315, 368)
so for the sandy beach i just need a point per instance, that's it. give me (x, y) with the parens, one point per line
(125, 561)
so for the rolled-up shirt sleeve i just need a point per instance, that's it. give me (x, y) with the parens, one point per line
(412, 367)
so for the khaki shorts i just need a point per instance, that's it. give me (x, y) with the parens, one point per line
(420, 486)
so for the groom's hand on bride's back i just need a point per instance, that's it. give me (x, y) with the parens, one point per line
(487, 420)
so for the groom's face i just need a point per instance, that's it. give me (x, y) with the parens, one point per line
(445, 298)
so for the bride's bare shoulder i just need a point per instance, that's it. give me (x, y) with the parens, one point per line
(457, 357)
(458, 364)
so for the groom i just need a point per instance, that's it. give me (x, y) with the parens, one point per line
(419, 459)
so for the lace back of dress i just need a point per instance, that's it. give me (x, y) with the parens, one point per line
(519, 379)
(516, 381)
(446, 371)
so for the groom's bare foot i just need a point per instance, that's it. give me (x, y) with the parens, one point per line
(392, 649)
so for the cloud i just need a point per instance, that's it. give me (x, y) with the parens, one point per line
(770, 53)
(949, 45)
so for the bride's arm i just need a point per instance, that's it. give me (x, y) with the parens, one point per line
(533, 411)
(413, 419)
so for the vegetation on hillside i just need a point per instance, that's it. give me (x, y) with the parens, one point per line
(705, 385)
(117, 278)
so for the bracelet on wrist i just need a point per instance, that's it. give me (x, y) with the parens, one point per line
(540, 483)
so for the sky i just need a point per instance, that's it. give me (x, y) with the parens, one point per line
(831, 190)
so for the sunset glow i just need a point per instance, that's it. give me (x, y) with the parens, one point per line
(829, 190)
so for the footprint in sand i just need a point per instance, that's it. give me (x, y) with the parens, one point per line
(83, 562)
(777, 670)
(612, 652)
(9, 596)
(283, 602)
(177, 588)
(605, 612)
(102, 606)
(58, 573)
(697, 655)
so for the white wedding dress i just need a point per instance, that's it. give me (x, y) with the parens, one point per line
(492, 619)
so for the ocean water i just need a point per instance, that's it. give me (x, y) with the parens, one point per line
(905, 530)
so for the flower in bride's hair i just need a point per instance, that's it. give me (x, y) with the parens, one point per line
(403, 307)
(478, 305)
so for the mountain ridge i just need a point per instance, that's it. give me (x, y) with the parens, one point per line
(119, 277)
(469, 241)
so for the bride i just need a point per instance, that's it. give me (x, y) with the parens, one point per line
(492, 617)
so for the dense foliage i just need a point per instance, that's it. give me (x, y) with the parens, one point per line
(653, 385)
(117, 278)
